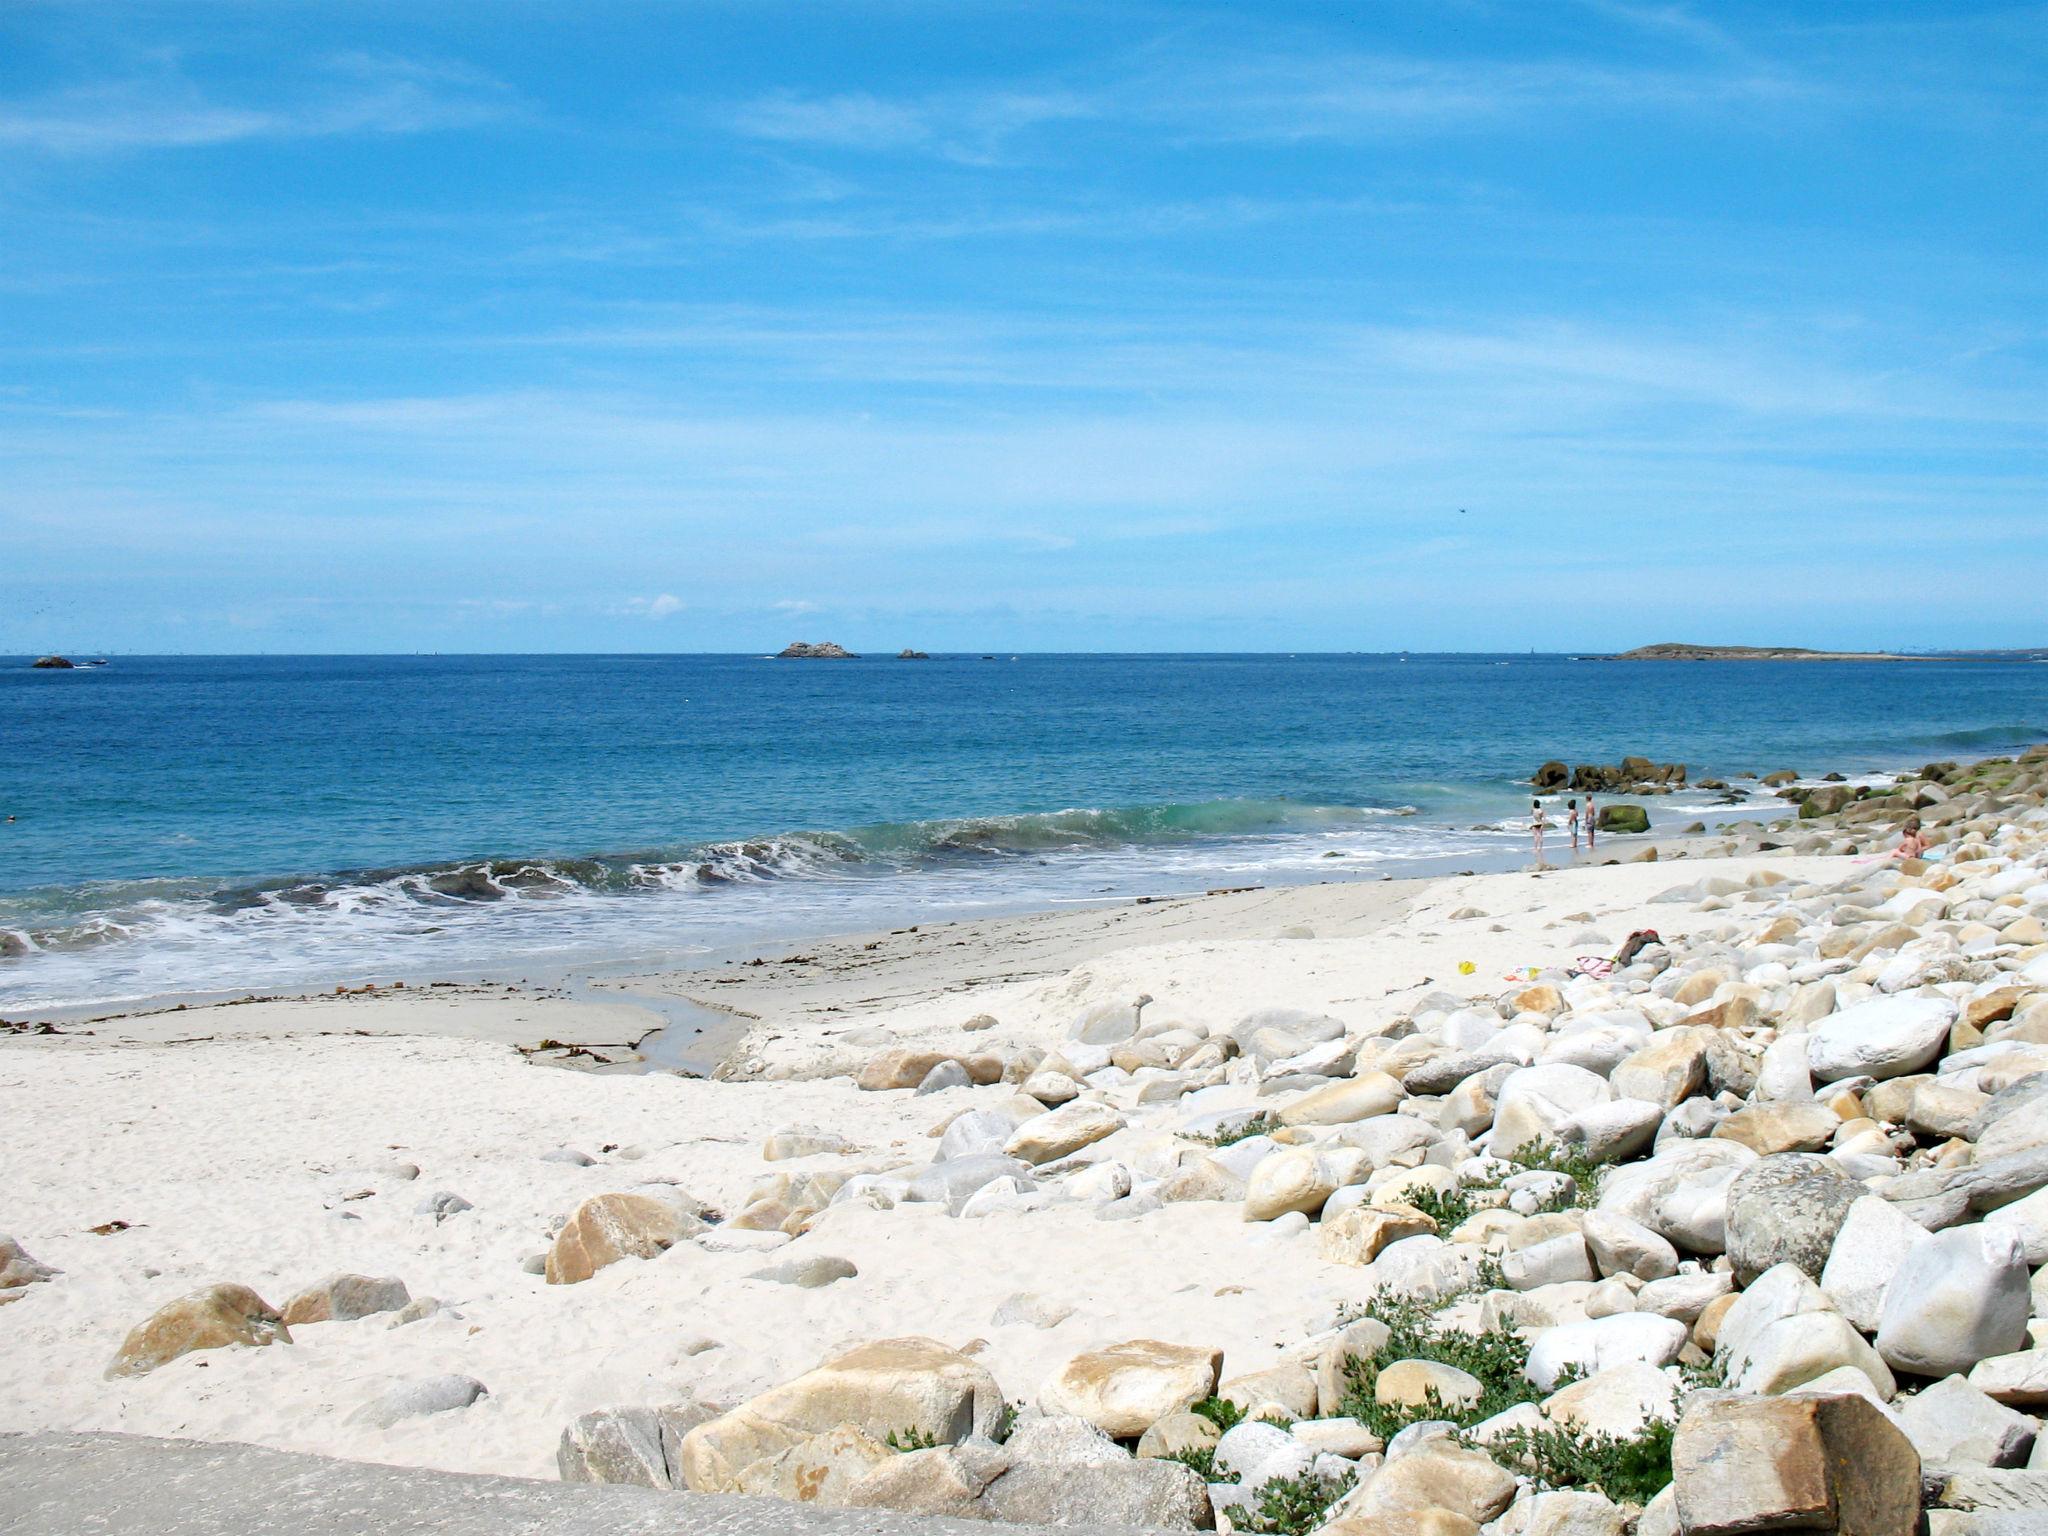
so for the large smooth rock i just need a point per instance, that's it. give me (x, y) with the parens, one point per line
(1602, 1343)
(1957, 1298)
(1797, 1125)
(911, 1384)
(1620, 1246)
(1290, 1179)
(945, 1480)
(1952, 1424)
(1358, 1235)
(214, 1317)
(820, 1470)
(1125, 1389)
(1871, 1244)
(1786, 1209)
(1365, 1097)
(628, 1445)
(1886, 1037)
(1440, 1475)
(1671, 1068)
(1139, 1495)
(607, 1228)
(1787, 1354)
(1743, 1465)
(1062, 1131)
(1617, 1401)
(344, 1298)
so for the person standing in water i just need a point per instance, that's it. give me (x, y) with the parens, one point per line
(1537, 823)
(1591, 822)
(1572, 820)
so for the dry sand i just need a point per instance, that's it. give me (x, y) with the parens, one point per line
(249, 1143)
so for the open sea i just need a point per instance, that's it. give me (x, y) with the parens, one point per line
(187, 826)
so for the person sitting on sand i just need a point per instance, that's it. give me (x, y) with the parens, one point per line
(1912, 841)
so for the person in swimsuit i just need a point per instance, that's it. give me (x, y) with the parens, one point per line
(1572, 821)
(1536, 825)
(1591, 821)
(1912, 841)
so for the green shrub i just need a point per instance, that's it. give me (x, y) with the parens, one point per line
(1629, 1471)
(1294, 1506)
(909, 1440)
(1496, 1358)
(1258, 1125)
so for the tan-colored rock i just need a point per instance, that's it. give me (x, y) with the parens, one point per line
(1290, 1179)
(1406, 1522)
(1671, 1068)
(905, 1067)
(1836, 1464)
(820, 1470)
(1698, 987)
(214, 1317)
(1364, 1097)
(914, 1385)
(1782, 1125)
(1542, 998)
(1411, 1384)
(945, 1480)
(607, 1228)
(784, 1203)
(1179, 1431)
(1292, 1387)
(1358, 1235)
(344, 1298)
(1440, 1475)
(1060, 1132)
(1127, 1388)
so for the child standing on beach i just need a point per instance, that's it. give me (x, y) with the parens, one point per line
(1572, 821)
(1537, 823)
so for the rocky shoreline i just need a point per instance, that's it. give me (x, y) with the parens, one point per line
(1748, 1233)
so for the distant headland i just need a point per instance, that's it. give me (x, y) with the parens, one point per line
(1677, 651)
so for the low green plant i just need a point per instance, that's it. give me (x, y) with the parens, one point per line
(1630, 1470)
(1005, 1425)
(1293, 1506)
(1230, 1136)
(1495, 1357)
(912, 1439)
(1200, 1457)
(1572, 1162)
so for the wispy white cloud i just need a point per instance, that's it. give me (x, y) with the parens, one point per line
(354, 93)
(665, 605)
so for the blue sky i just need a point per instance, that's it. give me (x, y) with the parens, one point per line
(706, 326)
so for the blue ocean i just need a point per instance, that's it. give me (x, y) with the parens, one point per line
(188, 826)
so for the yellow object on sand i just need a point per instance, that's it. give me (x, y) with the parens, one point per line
(1466, 967)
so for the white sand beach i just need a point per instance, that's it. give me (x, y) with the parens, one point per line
(260, 1143)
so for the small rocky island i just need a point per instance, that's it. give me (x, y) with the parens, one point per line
(54, 663)
(804, 650)
(907, 654)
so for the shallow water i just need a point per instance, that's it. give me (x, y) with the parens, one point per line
(194, 825)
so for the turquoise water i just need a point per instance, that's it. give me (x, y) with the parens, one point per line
(196, 825)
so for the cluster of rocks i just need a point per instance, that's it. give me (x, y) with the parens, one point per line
(1784, 1189)
(53, 663)
(1630, 776)
(823, 650)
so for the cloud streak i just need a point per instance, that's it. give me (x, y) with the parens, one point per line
(349, 94)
